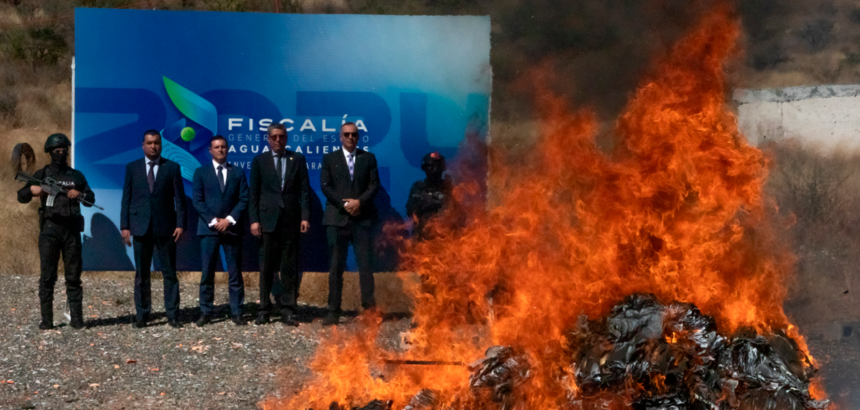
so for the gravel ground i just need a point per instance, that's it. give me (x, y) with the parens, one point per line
(221, 366)
(839, 365)
(111, 365)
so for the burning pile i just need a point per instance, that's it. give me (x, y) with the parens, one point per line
(653, 356)
(666, 357)
(675, 210)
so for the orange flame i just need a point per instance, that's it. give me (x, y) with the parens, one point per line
(677, 210)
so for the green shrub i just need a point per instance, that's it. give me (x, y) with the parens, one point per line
(36, 45)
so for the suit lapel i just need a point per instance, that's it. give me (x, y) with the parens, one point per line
(142, 170)
(359, 158)
(213, 175)
(269, 164)
(289, 168)
(345, 165)
(230, 174)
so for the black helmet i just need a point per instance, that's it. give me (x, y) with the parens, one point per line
(433, 158)
(57, 141)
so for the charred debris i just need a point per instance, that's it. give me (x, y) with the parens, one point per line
(648, 356)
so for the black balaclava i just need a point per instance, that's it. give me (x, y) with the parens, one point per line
(58, 158)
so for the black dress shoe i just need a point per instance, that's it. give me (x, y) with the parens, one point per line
(43, 325)
(140, 324)
(262, 319)
(174, 324)
(288, 319)
(203, 320)
(238, 320)
(331, 318)
(77, 324)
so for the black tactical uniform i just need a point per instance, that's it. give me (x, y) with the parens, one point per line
(430, 196)
(61, 224)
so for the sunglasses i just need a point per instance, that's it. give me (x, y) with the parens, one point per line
(350, 134)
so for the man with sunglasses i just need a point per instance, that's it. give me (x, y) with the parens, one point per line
(60, 227)
(279, 208)
(349, 179)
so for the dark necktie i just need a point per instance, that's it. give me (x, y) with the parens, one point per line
(221, 178)
(280, 170)
(150, 176)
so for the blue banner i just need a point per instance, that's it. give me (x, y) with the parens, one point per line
(412, 85)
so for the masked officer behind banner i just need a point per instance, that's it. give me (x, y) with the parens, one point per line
(279, 209)
(429, 197)
(153, 212)
(349, 178)
(60, 224)
(220, 197)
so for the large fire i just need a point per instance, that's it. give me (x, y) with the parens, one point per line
(676, 209)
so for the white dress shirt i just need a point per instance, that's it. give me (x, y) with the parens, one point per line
(156, 166)
(346, 155)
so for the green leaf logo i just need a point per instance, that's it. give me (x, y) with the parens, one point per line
(192, 106)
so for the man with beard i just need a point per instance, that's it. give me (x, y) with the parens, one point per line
(60, 227)
(153, 212)
(429, 197)
(279, 208)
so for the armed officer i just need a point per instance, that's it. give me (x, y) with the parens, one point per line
(429, 197)
(60, 224)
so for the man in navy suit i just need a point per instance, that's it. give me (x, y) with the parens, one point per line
(153, 213)
(220, 195)
(350, 180)
(279, 209)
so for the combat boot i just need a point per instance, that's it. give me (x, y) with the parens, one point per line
(47, 322)
(77, 314)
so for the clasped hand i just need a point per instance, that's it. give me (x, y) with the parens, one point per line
(221, 225)
(352, 206)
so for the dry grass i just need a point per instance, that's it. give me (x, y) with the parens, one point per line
(19, 236)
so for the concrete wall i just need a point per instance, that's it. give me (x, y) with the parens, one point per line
(826, 116)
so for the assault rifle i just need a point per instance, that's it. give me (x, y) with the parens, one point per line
(51, 187)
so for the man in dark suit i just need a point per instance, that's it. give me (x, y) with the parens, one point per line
(220, 198)
(153, 213)
(279, 209)
(350, 181)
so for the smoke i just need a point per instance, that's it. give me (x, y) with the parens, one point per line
(795, 43)
(599, 50)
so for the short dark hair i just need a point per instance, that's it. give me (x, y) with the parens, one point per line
(218, 137)
(276, 126)
(348, 123)
(151, 132)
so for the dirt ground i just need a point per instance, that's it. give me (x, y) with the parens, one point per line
(111, 365)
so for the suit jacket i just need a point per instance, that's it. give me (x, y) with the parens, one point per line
(337, 186)
(211, 203)
(266, 195)
(164, 207)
